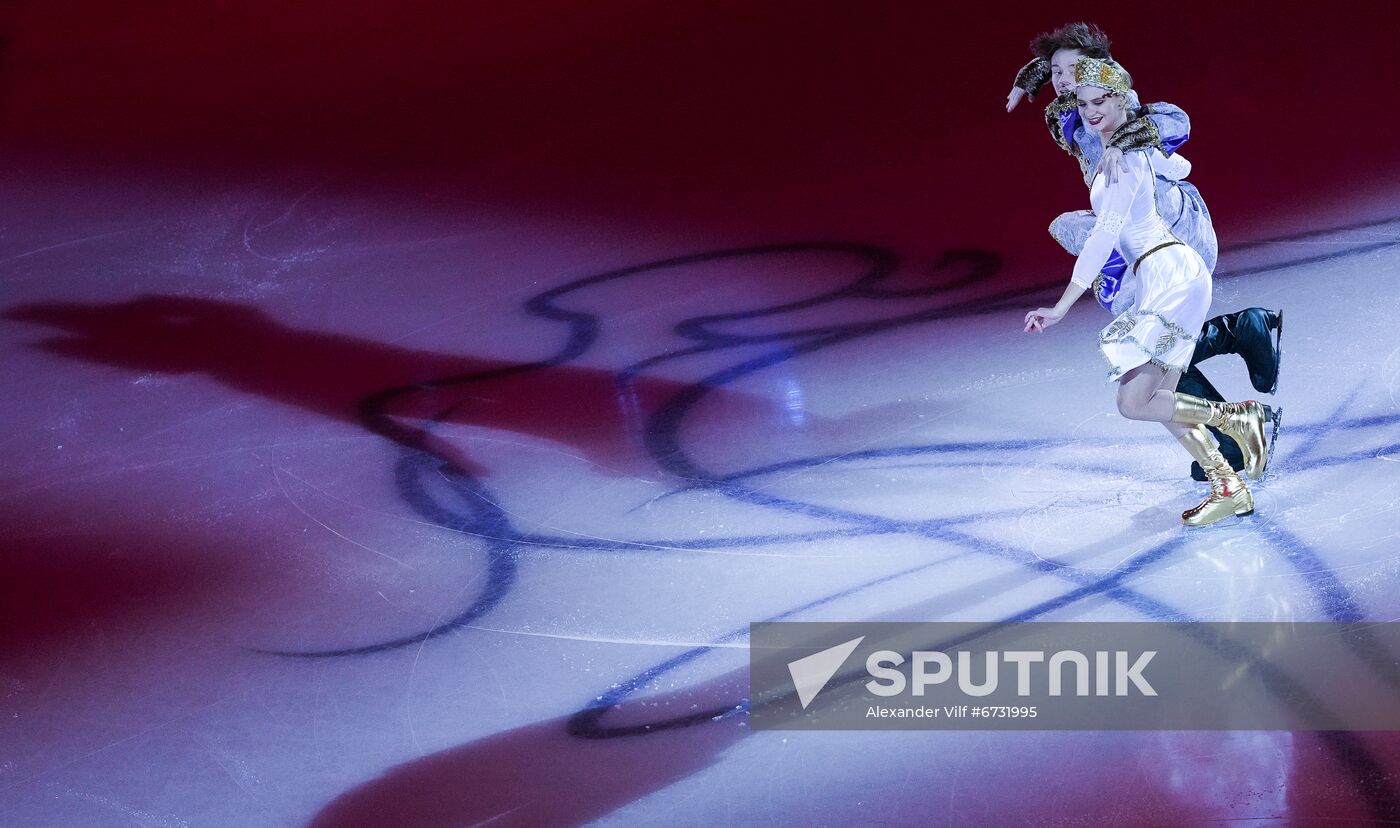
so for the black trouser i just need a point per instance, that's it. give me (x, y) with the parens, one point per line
(1245, 333)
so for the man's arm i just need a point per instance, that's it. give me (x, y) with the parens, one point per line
(1160, 125)
(1033, 76)
(1029, 81)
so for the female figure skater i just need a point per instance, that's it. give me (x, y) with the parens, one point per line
(1150, 343)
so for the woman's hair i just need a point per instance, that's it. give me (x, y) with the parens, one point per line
(1086, 37)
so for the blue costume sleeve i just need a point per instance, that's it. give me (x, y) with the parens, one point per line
(1173, 125)
(1071, 230)
(1155, 126)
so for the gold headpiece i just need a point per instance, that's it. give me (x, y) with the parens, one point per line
(1100, 73)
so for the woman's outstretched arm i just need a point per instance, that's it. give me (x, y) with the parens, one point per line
(1117, 204)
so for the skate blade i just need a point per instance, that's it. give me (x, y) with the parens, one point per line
(1276, 418)
(1232, 520)
(1278, 350)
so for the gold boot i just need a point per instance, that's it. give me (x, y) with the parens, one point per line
(1228, 493)
(1243, 421)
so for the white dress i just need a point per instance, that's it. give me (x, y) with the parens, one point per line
(1167, 288)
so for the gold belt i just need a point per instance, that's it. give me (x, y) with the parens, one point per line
(1150, 252)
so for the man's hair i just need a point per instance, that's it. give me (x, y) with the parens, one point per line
(1086, 37)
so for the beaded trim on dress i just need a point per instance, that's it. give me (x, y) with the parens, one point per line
(1118, 333)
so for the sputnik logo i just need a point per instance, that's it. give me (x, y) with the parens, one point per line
(811, 673)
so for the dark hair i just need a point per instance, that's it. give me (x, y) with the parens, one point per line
(1086, 37)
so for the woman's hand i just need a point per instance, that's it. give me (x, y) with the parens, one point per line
(1111, 164)
(1042, 318)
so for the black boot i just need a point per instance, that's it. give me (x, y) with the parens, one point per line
(1253, 333)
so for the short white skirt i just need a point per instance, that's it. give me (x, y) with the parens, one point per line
(1171, 293)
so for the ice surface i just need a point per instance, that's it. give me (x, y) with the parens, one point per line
(330, 510)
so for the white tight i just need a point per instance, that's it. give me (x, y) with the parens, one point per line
(1147, 393)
